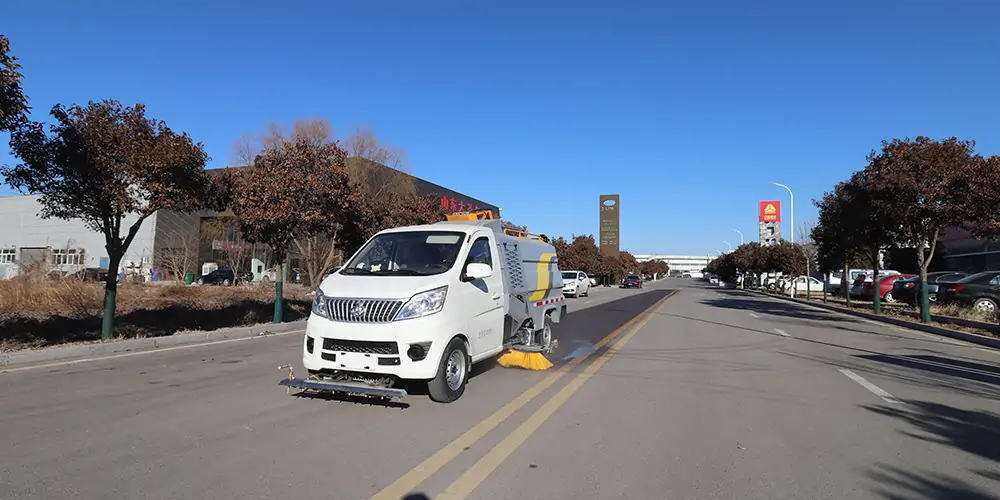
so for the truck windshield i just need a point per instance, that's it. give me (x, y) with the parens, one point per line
(411, 253)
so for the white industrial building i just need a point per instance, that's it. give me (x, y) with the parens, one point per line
(27, 239)
(679, 263)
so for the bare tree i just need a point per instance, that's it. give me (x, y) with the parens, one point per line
(223, 234)
(807, 243)
(181, 256)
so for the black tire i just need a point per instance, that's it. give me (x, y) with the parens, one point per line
(588, 292)
(438, 387)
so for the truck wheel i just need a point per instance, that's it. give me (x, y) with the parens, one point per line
(452, 374)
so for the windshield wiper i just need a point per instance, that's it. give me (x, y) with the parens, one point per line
(356, 270)
(405, 272)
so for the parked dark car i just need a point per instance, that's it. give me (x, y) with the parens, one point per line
(980, 290)
(224, 277)
(908, 290)
(632, 282)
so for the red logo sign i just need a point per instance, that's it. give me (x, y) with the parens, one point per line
(452, 205)
(770, 211)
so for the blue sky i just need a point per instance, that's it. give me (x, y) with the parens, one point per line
(685, 109)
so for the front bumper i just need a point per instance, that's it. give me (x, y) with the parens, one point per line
(376, 348)
(571, 290)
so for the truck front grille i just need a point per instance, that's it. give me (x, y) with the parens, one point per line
(364, 310)
(360, 346)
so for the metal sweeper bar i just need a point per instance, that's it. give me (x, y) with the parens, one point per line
(343, 386)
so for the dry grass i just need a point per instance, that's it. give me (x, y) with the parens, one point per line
(38, 312)
(906, 312)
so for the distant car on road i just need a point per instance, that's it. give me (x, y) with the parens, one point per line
(632, 282)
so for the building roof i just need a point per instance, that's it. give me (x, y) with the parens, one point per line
(451, 200)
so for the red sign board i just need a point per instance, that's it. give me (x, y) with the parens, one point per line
(770, 211)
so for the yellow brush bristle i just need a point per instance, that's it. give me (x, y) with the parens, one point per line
(526, 360)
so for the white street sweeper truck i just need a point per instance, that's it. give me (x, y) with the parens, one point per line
(427, 302)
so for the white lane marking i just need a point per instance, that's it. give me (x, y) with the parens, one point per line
(752, 315)
(876, 390)
(139, 353)
(781, 332)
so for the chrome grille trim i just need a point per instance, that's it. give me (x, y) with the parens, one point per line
(376, 310)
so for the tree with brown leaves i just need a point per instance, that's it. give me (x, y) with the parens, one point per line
(928, 183)
(13, 102)
(654, 267)
(838, 243)
(112, 167)
(295, 189)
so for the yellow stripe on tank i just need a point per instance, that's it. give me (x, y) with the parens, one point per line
(544, 279)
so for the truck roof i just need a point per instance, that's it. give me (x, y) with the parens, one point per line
(462, 226)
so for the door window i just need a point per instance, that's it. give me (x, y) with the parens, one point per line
(480, 252)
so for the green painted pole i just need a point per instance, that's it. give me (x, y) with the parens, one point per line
(925, 303)
(279, 296)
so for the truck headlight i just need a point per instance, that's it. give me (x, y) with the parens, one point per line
(423, 304)
(321, 305)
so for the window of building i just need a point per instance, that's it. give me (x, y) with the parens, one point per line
(8, 255)
(67, 256)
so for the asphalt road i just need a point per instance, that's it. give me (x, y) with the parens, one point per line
(703, 394)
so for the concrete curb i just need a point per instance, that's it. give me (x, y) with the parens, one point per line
(936, 330)
(75, 351)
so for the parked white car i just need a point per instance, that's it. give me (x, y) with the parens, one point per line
(803, 283)
(576, 283)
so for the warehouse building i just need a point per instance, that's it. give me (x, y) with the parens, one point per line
(59, 246)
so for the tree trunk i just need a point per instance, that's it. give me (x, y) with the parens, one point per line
(924, 262)
(844, 284)
(279, 292)
(110, 296)
(876, 289)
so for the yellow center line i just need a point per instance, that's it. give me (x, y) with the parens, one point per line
(474, 476)
(406, 483)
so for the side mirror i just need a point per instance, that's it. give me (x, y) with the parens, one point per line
(477, 271)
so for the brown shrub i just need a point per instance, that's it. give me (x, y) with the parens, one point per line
(37, 311)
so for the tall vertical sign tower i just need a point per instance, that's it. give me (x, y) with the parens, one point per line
(769, 216)
(609, 233)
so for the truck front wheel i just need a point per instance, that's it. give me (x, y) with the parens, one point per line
(452, 374)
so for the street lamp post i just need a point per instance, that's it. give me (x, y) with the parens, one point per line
(741, 235)
(730, 246)
(792, 205)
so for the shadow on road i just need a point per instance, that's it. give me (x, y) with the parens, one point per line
(893, 483)
(755, 303)
(970, 377)
(975, 432)
(977, 371)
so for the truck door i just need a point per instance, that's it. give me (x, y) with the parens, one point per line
(485, 296)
